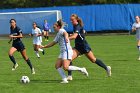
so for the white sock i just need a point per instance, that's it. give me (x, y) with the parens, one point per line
(37, 53)
(74, 68)
(40, 49)
(61, 72)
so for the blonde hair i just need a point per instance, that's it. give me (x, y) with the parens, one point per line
(79, 20)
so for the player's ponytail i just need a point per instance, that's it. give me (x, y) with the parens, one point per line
(60, 23)
(79, 20)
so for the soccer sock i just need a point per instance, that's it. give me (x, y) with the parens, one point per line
(37, 53)
(29, 63)
(74, 68)
(40, 49)
(61, 72)
(101, 64)
(138, 49)
(12, 59)
(69, 71)
(47, 37)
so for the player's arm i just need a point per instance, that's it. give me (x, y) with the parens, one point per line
(66, 36)
(133, 29)
(18, 36)
(73, 36)
(50, 44)
(10, 40)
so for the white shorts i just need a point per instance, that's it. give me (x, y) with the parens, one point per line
(66, 54)
(36, 42)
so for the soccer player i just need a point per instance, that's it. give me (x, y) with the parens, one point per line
(46, 30)
(136, 27)
(81, 45)
(66, 52)
(17, 45)
(37, 39)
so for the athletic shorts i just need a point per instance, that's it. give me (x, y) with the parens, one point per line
(46, 30)
(18, 45)
(83, 49)
(36, 42)
(66, 54)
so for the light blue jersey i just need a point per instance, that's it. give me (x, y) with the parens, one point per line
(62, 41)
(137, 26)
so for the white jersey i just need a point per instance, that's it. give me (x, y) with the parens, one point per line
(36, 39)
(62, 41)
(137, 26)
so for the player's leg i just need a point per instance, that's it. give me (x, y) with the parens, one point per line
(66, 67)
(47, 34)
(36, 50)
(93, 59)
(24, 55)
(60, 70)
(75, 55)
(40, 49)
(138, 45)
(11, 52)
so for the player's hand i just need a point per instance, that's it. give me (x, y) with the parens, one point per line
(41, 46)
(67, 40)
(9, 42)
(10, 36)
(30, 35)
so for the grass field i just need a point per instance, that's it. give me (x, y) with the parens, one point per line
(118, 51)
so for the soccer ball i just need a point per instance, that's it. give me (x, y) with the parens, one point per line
(24, 79)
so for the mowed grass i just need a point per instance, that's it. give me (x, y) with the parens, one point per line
(118, 51)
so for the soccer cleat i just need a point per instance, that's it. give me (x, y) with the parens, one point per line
(69, 78)
(84, 71)
(43, 52)
(33, 71)
(14, 67)
(108, 71)
(64, 81)
(139, 58)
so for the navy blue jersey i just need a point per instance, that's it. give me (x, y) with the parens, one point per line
(81, 36)
(15, 32)
(80, 43)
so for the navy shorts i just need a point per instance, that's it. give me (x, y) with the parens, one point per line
(46, 30)
(18, 45)
(83, 49)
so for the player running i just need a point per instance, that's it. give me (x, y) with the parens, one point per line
(136, 27)
(17, 45)
(37, 39)
(81, 45)
(66, 52)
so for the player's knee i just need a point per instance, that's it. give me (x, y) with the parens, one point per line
(56, 66)
(65, 68)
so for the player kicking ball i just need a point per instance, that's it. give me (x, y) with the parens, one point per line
(66, 52)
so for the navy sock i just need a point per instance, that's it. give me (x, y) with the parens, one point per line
(101, 64)
(12, 59)
(29, 63)
(70, 72)
(47, 37)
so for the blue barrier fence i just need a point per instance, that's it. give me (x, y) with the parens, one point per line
(95, 17)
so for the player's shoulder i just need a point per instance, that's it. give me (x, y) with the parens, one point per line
(18, 29)
(62, 30)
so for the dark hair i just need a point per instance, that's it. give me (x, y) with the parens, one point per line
(79, 20)
(59, 23)
(13, 20)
